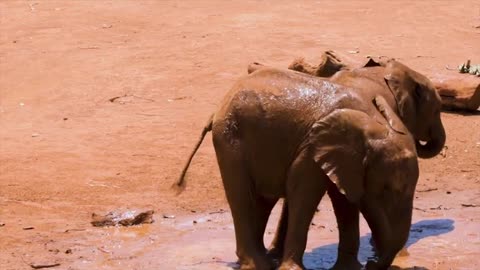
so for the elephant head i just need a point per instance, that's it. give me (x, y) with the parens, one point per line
(419, 107)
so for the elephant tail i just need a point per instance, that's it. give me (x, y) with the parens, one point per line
(180, 184)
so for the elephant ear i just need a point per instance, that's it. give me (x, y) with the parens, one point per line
(387, 112)
(403, 88)
(340, 148)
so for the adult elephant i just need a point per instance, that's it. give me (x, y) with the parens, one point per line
(285, 134)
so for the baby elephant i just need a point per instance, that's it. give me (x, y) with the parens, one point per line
(285, 134)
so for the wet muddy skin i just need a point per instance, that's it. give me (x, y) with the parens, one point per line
(101, 102)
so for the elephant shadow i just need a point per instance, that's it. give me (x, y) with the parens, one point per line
(324, 257)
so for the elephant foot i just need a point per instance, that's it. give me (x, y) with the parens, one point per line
(290, 265)
(350, 263)
(372, 265)
(275, 254)
(262, 263)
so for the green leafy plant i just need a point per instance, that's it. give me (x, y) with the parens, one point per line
(468, 68)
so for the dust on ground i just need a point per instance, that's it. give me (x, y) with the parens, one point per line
(102, 101)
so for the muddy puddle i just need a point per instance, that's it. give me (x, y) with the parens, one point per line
(437, 240)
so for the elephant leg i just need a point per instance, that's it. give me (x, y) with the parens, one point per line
(305, 188)
(264, 209)
(276, 247)
(241, 197)
(347, 215)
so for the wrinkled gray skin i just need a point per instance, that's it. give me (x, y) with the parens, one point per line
(283, 134)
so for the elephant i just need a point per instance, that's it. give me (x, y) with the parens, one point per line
(418, 99)
(285, 134)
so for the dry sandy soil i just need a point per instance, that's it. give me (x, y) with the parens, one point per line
(67, 150)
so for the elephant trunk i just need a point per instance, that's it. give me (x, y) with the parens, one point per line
(399, 232)
(435, 144)
(387, 255)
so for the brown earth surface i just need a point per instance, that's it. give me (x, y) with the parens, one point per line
(102, 101)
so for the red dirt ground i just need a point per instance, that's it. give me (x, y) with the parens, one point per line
(66, 150)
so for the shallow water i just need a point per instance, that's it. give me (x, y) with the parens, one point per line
(207, 242)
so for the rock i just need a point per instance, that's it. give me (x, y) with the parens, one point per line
(44, 265)
(458, 91)
(329, 65)
(127, 218)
